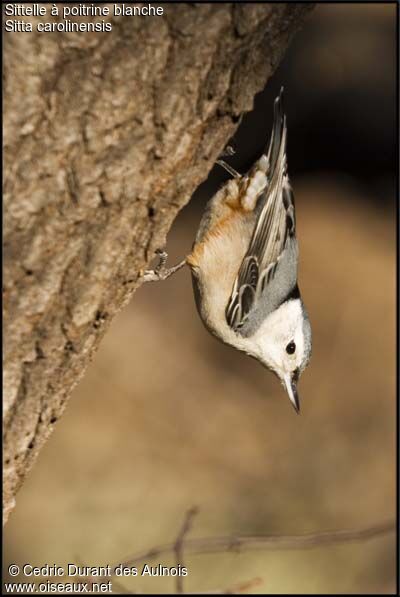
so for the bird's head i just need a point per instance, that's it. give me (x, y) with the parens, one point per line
(284, 345)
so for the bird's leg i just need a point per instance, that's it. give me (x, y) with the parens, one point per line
(227, 152)
(160, 272)
(229, 168)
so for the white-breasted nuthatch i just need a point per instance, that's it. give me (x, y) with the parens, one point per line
(244, 265)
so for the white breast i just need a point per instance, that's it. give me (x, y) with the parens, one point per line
(217, 265)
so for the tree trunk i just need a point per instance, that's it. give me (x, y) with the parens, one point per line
(106, 137)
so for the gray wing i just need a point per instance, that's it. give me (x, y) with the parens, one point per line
(273, 239)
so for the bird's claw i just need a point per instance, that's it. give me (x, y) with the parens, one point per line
(228, 151)
(161, 272)
(162, 260)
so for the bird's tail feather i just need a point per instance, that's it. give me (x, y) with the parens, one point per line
(277, 144)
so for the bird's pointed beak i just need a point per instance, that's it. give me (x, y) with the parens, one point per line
(291, 388)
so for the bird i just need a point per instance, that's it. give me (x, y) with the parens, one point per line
(244, 264)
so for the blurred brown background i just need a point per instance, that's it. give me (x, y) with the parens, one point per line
(166, 417)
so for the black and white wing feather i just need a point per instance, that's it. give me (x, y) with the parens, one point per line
(274, 227)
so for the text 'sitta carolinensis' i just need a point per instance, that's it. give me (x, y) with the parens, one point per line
(244, 265)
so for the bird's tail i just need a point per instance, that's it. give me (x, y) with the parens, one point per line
(277, 144)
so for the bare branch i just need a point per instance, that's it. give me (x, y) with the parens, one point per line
(178, 547)
(267, 542)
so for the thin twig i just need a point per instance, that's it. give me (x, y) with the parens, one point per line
(269, 542)
(178, 546)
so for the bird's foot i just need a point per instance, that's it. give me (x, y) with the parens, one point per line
(228, 151)
(161, 272)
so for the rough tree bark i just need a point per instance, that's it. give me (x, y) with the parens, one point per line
(106, 137)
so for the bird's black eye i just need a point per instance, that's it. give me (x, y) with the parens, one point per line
(290, 348)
